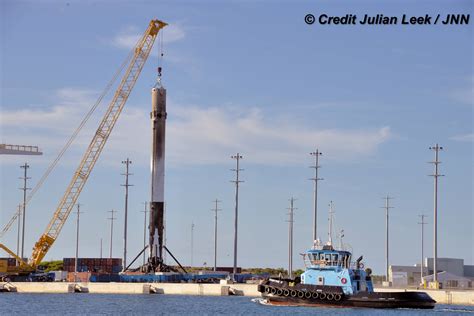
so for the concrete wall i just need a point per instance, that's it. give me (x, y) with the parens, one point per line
(441, 296)
(136, 288)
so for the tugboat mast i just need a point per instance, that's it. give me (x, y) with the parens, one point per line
(331, 213)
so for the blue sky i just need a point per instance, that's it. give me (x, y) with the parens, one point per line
(251, 78)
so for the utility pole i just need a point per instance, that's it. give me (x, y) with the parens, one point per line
(77, 242)
(387, 207)
(24, 189)
(316, 167)
(330, 219)
(192, 243)
(145, 211)
(111, 218)
(101, 248)
(422, 223)
(290, 237)
(165, 208)
(436, 174)
(18, 234)
(237, 170)
(126, 185)
(215, 210)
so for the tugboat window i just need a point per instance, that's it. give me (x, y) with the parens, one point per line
(334, 259)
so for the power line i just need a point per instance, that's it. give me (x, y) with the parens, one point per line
(290, 237)
(237, 170)
(24, 189)
(111, 218)
(422, 223)
(387, 207)
(77, 242)
(18, 233)
(192, 243)
(127, 162)
(436, 174)
(145, 211)
(215, 210)
(316, 167)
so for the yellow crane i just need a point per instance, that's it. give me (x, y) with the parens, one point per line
(141, 53)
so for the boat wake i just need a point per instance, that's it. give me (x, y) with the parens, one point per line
(454, 310)
(263, 301)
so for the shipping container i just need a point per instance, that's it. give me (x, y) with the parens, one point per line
(81, 277)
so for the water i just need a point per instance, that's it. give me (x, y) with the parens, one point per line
(97, 304)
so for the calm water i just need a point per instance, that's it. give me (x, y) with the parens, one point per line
(96, 304)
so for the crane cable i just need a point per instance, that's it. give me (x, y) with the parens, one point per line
(69, 142)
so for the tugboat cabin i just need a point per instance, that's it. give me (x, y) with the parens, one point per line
(330, 267)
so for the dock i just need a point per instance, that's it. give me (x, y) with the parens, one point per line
(450, 297)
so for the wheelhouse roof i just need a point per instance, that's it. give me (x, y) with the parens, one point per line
(341, 252)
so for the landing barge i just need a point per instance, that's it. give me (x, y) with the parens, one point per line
(330, 280)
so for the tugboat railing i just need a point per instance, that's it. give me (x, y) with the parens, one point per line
(322, 264)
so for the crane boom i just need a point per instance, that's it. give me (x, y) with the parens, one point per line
(142, 51)
(9, 224)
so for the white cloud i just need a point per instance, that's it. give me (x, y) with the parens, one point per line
(210, 135)
(464, 138)
(195, 135)
(129, 37)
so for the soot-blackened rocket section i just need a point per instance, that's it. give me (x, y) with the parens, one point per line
(158, 120)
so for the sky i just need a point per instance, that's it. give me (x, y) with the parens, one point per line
(251, 78)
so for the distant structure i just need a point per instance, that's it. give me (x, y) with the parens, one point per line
(25, 178)
(215, 210)
(192, 242)
(387, 208)
(111, 218)
(316, 167)
(126, 162)
(8, 149)
(77, 241)
(422, 223)
(436, 175)
(145, 211)
(237, 170)
(290, 237)
(452, 273)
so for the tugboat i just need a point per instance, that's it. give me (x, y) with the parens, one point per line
(330, 280)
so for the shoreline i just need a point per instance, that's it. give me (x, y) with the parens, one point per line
(449, 297)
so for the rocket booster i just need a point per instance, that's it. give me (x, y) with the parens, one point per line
(158, 121)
